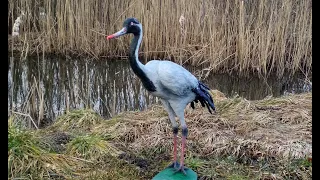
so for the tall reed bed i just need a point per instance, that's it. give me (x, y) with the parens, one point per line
(261, 36)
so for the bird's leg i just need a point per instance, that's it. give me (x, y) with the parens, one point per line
(178, 108)
(172, 115)
(175, 164)
(183, 144)
(175, 137)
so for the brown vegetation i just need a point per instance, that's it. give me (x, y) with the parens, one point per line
(245, 36)
(265, 139)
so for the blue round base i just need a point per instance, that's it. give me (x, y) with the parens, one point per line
(169, 174)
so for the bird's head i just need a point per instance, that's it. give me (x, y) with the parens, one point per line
(130, 25)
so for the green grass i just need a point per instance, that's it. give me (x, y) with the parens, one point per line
(29, 157)
(90, 146)
(137, 145)
(82, 119)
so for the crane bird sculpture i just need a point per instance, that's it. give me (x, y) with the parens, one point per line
(174, 85)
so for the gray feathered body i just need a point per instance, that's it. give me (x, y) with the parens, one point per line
(172, 81)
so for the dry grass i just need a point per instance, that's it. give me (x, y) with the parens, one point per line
(273, 127)
(246, 36)
(265, 139)
(83, 119)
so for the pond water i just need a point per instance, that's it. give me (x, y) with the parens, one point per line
(109, 86)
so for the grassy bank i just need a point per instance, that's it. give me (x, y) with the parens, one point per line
(265, 139)
(245, 36)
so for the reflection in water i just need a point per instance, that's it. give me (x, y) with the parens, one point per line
(110, 87)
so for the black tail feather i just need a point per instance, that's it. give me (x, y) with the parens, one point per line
(205, 88)
(203, 104)
(192, 104)
(203, 96)
(203, 85)
(208, 108)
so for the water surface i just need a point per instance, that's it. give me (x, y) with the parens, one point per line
(109, 86)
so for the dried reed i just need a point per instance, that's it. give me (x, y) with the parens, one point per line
(260, 36)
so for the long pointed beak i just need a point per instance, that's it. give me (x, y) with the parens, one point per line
(123, 31)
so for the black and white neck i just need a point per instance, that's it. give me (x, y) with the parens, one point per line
(137, 67)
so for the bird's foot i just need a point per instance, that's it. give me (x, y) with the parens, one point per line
(181, 169)
(174, 165)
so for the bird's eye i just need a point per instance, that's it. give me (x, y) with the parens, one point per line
(131, 24)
